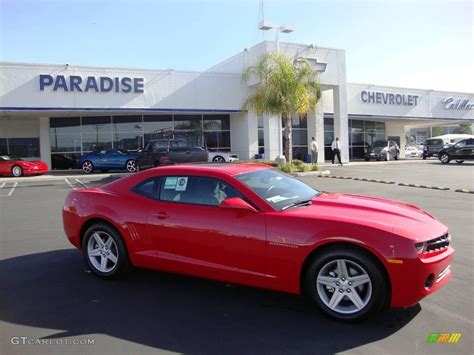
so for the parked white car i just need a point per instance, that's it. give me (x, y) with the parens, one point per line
(413, 152)
(222, 157)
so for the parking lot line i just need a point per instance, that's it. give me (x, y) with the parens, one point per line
(69, 183)
(81, 183)
(2, 185)
(12, 189)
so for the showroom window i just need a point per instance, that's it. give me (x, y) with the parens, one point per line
(20, 147)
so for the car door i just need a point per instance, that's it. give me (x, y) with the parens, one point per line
(179, 151)
(192, 234)
(459, 150)
(468, 150)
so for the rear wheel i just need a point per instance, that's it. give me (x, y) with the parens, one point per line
(346, 283)
(104, 251)
(445, 158)
(131, 166)
(218, 159)
(17, 171)
(397, 155)
(87, 167)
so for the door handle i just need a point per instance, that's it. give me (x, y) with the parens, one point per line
(161, 215)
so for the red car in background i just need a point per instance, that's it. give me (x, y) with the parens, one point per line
(10, 165)
(251, 225)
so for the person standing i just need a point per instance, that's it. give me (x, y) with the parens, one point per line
(336, 150)
(314, 151)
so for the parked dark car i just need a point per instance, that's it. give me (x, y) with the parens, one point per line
(383, 150)
(105, 160)
(62, 162)
(169, 151)
(463, 150)
(432, 147)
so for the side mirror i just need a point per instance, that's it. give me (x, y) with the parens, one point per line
(237, 203)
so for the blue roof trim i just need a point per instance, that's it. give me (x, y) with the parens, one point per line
(13, 108)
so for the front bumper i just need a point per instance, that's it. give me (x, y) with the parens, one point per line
(409, 279)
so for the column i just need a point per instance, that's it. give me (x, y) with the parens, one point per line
(244, 134)
(271, 136)
(45, 141)
(341, 121)
(397, 129)
(316, 129)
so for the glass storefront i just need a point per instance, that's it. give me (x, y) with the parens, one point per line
(361, 135)
(20, 147)
(73, 136)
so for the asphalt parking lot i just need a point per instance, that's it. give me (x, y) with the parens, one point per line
(47, 294)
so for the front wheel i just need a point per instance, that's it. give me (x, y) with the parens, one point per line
(346, 284)
(459, 161)
(104, 251)
(87, 167)
(17, 171)
(397, 156)
(444, 158)
(131, 166)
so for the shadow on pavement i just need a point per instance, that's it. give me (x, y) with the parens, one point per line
(169, 312)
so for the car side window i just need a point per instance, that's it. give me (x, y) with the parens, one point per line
(198, 190)
(461, 144)
(148, 188)
(470, 142)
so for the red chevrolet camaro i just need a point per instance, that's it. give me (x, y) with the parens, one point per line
(251, 225)
(10, 165)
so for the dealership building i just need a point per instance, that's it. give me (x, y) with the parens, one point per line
(55, 111)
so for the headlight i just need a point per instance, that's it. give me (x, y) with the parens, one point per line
(420, 247)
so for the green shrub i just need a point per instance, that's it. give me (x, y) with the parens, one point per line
(304, 168)
(297, 163)
(315, 167)
(287, 168)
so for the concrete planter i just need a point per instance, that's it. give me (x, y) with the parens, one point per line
(312, 173)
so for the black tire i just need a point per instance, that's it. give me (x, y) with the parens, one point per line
(424, 157)
(122, 265)
(379, 285)
(444, 158)
(366, 159)
(396, 156)
(17, 171)
(218, 159)
(459, 161)
(87, 167)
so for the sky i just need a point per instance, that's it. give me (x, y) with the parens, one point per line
(424, 44)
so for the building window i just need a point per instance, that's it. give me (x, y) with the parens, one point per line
(261, 136)
(23, 147)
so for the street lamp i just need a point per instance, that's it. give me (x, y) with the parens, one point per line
(266, 26)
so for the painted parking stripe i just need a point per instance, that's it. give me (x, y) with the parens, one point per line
(81, 183)
(2, 185)
(12, 189)
(69, 183)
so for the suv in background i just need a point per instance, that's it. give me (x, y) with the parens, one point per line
(432, 147)
(169, 151)
(463, 150)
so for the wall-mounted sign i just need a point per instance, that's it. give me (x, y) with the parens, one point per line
(450, 103)
(388, 98)
(76, 83)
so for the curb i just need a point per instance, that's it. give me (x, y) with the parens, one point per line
(60, 177)
(465, 191)
(375, 180)
(338, 177)
(426, 186)
(322, 173)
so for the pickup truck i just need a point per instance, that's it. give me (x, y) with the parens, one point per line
(169, 151)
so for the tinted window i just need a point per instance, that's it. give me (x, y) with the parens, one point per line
(196, 190)
(148, 188)
(160, 145)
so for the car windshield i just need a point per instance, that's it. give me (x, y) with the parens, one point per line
(9, 157)
(380, 144)
(279, 190)
(434, 142)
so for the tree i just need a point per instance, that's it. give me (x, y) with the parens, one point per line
(284, 87)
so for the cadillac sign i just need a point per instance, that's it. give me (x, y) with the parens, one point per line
(451, 103)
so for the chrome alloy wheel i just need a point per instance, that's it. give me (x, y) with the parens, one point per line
(344, 286)
(218, 159)
(17, 171)
(102, 251)
(131, 166)
(444, 158)
(87, 167)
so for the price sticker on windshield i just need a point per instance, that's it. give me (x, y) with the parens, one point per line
(181, 184)
(170, 182)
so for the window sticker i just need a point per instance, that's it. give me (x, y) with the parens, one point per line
(170, 182)
(278, 198)
(181, 184)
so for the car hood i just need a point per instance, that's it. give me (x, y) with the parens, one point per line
(376, 150)
(393, 216)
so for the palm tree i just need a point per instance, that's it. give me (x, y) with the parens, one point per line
(284, 87)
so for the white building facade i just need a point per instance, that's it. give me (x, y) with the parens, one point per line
(55, 111)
